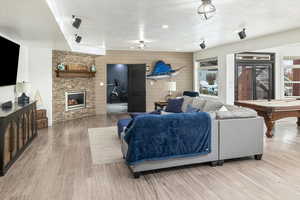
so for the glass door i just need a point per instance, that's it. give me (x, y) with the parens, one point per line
(254, 82)
(245, 83)
(262, 86)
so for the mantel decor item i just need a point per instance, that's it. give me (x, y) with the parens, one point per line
(171, 88)
(61, 67)
(93, 68)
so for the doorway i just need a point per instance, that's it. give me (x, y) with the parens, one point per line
(254, 76)
(126, 88)
(117, 88)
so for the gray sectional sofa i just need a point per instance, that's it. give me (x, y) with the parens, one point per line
(236, 132)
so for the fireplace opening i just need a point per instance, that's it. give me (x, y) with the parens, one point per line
(75, 100)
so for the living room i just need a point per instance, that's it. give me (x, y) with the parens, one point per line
(209, 96)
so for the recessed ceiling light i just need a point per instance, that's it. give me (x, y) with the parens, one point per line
(165, 26)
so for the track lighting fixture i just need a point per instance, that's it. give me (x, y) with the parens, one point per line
(206, 10)
(142, 44)
(76, 22)
(242, 34)
(203, 45)
(78, 38)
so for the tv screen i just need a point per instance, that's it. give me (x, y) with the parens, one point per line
(9, 54)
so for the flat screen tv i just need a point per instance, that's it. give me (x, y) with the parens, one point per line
(9, 54)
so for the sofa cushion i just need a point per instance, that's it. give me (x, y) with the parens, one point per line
(199, 103)
(186, 101)
(212, 106)
(174, 105)
(232, 107)
(241, 113)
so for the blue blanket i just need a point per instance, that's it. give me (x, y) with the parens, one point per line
(160, 137)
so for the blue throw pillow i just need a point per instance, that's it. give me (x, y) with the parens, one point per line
(191, 109)
(174, 105)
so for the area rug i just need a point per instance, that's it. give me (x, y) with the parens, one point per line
(105, 145)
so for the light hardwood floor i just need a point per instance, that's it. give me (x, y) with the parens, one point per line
(58, 166)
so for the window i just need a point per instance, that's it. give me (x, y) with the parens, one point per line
(208, 77)
(291, 69)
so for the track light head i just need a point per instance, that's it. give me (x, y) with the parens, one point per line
(242, 34)
(78, 38)
(76, 22)
(203, 45)
(142, 44)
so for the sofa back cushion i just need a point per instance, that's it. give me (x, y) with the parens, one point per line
(191, 109)
(174, 105)
(212, 106)
(186, 101)
(199, 103)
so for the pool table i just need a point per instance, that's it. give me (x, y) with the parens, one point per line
(273, 110)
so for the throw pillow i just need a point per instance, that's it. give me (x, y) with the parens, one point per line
(223, 109)
(191, 109)
(186, 101)
(174, 105)
(212, 106)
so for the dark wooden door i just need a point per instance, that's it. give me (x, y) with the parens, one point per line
(137, 88)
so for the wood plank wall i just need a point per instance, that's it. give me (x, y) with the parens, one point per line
(155, 91)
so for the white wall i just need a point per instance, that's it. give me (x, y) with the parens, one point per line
(40, 76)
(35, 67)
(268, 43)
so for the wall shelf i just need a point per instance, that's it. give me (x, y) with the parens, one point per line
(74, 74)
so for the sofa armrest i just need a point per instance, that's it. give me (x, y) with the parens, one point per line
(241, 137)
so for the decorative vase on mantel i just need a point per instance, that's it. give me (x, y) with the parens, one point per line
(61, 67)
(93, 68)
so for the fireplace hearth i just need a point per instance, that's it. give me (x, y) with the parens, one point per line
(75, 100)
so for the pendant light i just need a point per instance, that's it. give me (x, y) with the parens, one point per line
(206, 10)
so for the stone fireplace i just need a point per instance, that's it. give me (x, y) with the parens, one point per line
(75, 100)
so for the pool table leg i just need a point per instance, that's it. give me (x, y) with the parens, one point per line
(298, 122)
(270, 125)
